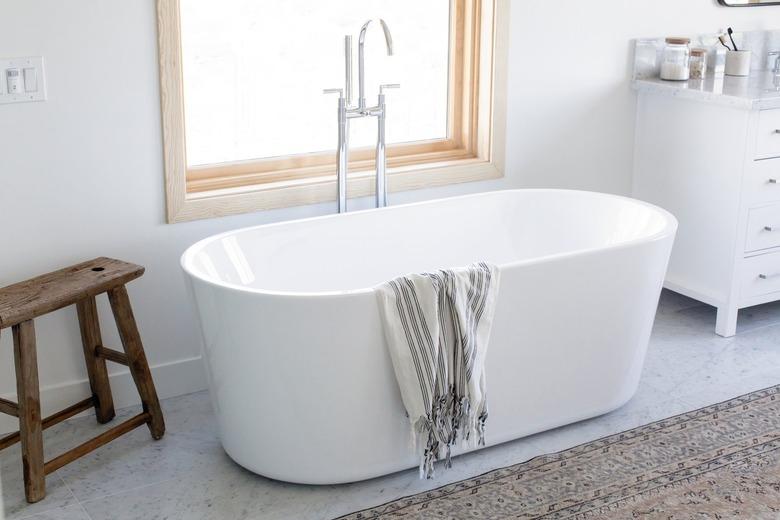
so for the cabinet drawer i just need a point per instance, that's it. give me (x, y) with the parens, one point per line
(763, 228)
(768, 134)
(760, 275)
(762, 182)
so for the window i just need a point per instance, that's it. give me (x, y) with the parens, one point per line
(247, 127)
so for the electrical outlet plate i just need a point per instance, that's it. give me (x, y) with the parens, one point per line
(36, 80)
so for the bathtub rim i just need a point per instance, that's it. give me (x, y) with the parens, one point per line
(669, 229)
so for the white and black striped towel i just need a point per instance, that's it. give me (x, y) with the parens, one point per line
(437, 327)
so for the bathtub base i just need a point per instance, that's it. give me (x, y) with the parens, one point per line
(412, 461)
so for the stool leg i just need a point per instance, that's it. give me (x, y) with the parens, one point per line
(96, 366)
(139, 367)
(30, 429)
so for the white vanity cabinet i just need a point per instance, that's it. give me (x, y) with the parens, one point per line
(709, 152)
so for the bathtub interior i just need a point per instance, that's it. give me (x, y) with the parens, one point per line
(360, 250)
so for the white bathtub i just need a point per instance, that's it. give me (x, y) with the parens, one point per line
(300, 376)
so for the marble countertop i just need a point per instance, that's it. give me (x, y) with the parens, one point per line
(760, 91)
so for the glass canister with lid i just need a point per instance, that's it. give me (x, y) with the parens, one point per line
(698, 63)
(676, 61)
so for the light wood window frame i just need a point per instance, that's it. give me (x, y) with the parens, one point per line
(473, 151)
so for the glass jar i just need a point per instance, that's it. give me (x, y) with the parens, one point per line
(698, 63)
(675, 65)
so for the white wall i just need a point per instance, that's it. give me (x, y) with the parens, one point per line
(571, 110)
(81, 174)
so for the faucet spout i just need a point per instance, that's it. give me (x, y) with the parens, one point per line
(362, 59)
(388, 37)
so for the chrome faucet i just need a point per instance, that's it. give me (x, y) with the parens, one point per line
(346, 112)
(362, 59)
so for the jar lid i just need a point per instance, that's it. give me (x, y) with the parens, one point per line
(678, 41)
(698, 52)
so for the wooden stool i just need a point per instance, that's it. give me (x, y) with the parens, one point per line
(79, 284)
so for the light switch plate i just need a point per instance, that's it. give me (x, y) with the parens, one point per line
(32, 82)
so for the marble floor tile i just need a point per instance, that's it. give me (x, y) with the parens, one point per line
(188, 447)
(14, 505)
(711, 363)
(228, 491)
(188, 476)
(76, 512)
(671, 302)
(759, 316)
(731, 389)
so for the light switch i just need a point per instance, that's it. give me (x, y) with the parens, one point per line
(13, 80)
(22, 80)
(30, 79)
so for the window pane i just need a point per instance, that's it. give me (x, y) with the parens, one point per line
(254, 73)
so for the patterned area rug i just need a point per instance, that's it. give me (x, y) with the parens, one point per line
(719, 462)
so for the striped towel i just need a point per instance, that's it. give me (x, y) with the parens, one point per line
(437, 327)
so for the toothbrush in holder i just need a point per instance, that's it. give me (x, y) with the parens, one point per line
(737, 61)
(731, 37)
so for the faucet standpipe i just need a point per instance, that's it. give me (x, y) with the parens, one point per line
(381, 148)
(342, 154)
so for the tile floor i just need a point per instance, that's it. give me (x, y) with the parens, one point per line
(187, 476)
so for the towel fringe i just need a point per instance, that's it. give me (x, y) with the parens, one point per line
(452, 422)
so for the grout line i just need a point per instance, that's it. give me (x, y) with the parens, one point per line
(70, 490)
(53, 507)
(86, 513)
(79, 502)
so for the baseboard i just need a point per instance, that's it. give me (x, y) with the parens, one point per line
(171, 379)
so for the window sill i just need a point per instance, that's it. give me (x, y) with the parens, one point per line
(185, 207)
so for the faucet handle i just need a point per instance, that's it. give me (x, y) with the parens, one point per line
(388, 86)
(339, 91)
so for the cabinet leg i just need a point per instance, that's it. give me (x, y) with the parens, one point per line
(726, 322)
(139, 367)
(30, 427)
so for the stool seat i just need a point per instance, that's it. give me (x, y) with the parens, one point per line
(41, 295)
(79, 284)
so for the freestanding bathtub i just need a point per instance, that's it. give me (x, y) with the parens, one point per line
(300, 376)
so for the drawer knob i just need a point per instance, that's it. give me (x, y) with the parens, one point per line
(763, 276)
(772, 181)
(768, 228)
